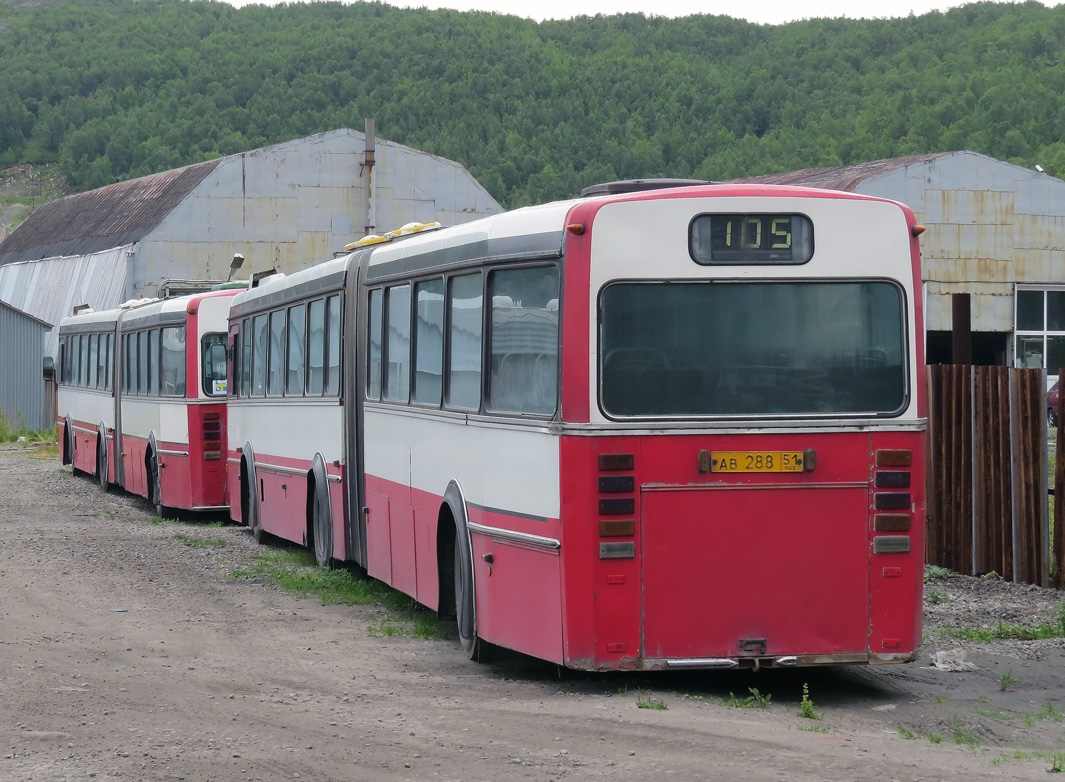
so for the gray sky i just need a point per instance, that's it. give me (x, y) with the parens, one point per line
(761, 11)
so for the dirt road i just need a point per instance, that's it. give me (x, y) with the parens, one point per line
(126, 653)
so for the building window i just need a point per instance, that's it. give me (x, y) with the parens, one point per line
(1040, 329)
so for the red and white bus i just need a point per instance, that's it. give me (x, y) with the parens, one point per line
(158, 430)
(656, 429)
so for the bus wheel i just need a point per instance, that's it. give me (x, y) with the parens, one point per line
(101, 461)
(155, 491)
(321, 529)
(249, 509)
(68, 444)
(465, 607)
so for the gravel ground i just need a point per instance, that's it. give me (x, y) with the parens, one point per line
(968, 601)
(128, 653)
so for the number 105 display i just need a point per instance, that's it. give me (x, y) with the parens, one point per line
(751, 238)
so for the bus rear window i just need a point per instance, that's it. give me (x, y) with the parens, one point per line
(752, 349)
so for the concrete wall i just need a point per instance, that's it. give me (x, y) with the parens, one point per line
(296, 203)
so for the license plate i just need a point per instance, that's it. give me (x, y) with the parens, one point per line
(756, 461)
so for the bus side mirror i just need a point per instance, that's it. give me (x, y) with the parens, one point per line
(49, 368)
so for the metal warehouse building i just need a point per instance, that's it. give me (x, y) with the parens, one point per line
(994, 244)
(23, 399)
(283, 207)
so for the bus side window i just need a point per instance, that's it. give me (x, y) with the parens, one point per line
(275, 385)
(297, 349)
(316, 348)
(142, 362)
(523, 341)
(244, 340)
(173, 361)
(464, 340)
(397, 346)
(258, 361)
(373, 369)
(428, 341)
(94, 360)
(75, 363)
(332, 346)
(153, 362)
(107, 362)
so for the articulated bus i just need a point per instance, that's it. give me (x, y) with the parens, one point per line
(677, 428)
(158, 429)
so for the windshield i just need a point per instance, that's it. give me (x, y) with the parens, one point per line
(752, 349)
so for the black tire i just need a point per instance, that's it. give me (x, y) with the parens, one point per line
(321, 529)
(249, 509)
(1052, 418)
(155, 492)
(466, 607)
(101, 462)
(68, 444)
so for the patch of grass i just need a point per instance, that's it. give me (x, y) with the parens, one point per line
(935, 597)
(193, 542)
(1020, 754)
(1005, 631)
(384, 629)
(1057, 763)
(995, 714)
(940, 698)
(935, 572)
(19, 433)
(935, 738)
(755, 700)
(295, 571)
(906, 734)
(815, 728)
(1006, 679)
(645, 702)
(963, 734)
(157, 520)
(806, 706)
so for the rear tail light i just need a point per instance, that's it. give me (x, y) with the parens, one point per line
(899, 501)
(212, 436)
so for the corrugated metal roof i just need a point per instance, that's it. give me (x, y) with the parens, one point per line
(49, 289)
(846, 178)
(43, 323)
(119, 214)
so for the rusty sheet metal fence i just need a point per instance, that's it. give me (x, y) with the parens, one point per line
(1057, 547)
(987, 507)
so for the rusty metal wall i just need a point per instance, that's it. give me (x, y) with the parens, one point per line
(987, 472)
(989, 224)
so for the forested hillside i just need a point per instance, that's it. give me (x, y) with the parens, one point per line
(114, 89)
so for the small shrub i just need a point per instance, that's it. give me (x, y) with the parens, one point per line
(806, 706)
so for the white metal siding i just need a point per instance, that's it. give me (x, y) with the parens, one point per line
(21, 381)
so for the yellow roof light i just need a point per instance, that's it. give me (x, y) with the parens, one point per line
(406, 230)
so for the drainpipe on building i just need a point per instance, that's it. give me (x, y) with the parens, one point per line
(368, 161)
